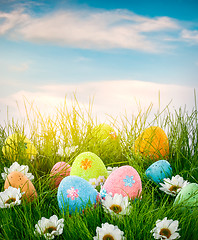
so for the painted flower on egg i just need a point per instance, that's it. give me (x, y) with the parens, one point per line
(126, 181)
(88, 165)
(72, 193)
(85, 164)
(103, 193)
(129, 181)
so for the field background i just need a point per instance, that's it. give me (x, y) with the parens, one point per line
(71, 127)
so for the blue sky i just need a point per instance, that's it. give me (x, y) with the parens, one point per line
(70, 43)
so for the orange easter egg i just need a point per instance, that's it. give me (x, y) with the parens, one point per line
(153, 143)
(19, 180)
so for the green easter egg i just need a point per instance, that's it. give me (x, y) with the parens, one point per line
(88, 165)
(188, 196)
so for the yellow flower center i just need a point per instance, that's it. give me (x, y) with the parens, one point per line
(165, 232)
(174, 188)
(10, 200)
(116, 208)
(49, 230)
(108, 237)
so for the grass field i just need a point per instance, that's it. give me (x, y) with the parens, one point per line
(72, 127)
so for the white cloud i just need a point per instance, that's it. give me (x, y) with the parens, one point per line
(112, 98)
(191, 36)
(89, 29)
(10, 21)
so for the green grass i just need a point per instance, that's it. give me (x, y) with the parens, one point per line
(73, 126)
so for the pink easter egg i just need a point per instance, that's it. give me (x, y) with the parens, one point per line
(125, 180)
(58, 172)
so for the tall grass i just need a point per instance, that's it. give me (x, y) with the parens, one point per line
(73, 126)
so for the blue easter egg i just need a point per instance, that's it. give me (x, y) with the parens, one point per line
(158, 171)
(75, 193)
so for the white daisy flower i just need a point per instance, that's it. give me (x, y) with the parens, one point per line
(111, 169)
(49, 227)
(166, 229)
(101, 180)
(93, 182)
(174, 185)
(10, 197)
(109, 231)
(116, 204)
(19, 168)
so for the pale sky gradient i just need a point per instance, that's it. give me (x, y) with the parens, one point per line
(117, 52)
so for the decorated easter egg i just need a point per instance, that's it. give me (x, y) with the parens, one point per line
(19, 180)
(152, 143)
(188, 196)
(125, 180)
(88, 165)
(17, 146)
(58, 172)
(104, 132)
(159, 170)
(75, 194)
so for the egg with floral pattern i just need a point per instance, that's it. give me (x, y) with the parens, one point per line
(104, 132)
(75, 194)
(188, 196)
(58, 172)
(88, 165)
(17, 146)
(125, 180)
(152, 143)
(158, 171)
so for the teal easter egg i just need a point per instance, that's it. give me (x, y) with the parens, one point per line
(188, 196)
(88, 165)
(158, 171)
(75, 194)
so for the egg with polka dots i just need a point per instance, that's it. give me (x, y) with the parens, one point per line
(158, 171)
(188, 196)
(19, 180)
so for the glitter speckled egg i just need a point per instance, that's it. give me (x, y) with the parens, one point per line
(19, 180)
(75, 193)
(125, 180)
(188, 196)
(152, 143)
(17, 146)
(159, 170)
(58, 172)
(88, 165)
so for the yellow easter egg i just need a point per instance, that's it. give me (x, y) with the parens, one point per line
(104, 132)
(153, 143)
(18, 146)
